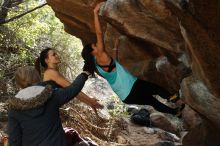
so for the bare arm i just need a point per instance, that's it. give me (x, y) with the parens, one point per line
(99, 34)
(64, 95)
(62, 81)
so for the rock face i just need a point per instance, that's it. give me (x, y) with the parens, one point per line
(136, 135)
(174, 43)
(162, 122)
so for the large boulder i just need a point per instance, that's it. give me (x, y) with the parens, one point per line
(184, 32)
(145, 37)
(203, 134)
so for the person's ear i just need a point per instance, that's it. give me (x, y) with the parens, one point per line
(46, 60)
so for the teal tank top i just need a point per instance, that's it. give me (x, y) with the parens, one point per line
(120, 80)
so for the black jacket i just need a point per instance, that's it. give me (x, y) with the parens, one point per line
(34, 114)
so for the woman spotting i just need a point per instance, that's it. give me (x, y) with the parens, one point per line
(49, 60)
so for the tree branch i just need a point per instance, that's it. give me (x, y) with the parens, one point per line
(4, 9)
(21, 15)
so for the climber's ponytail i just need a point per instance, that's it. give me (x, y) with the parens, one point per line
(40, 61)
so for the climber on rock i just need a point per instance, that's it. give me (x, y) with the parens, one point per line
(129, 88)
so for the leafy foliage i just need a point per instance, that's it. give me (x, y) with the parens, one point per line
(119, 108)
(23, 39)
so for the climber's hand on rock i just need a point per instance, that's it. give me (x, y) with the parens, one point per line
(97, 7)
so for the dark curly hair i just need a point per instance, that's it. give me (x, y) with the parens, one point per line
(40, 61)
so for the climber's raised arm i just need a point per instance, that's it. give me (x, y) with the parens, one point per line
(99, 34)
(94, 53)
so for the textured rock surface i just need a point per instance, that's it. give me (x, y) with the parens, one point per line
(161, 121)
(145, 34)
(203, 134)
(136, 135)
(191, 118)
(184, 32)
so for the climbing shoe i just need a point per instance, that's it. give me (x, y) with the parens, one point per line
(174, 98)
(179, 111)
